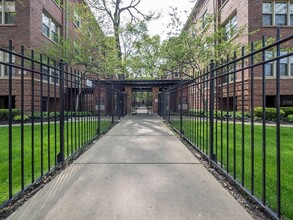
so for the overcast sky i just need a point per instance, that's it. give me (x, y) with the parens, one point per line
(163, 6)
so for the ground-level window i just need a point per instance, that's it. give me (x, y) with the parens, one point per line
(286, 101)
(4, 102)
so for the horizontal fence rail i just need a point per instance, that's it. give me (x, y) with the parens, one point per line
(239, 114)
(48, 113)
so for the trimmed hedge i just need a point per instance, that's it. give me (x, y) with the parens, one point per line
(18, 118)
(271, 113)
(287, 110)
(4, 113)
(290, 118)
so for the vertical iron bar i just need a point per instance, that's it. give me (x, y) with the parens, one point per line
(42, 122)
(33, 112)
(227, 110)
(67, 109)
(222, 106)
(99, 108)
(10, 121)
(113, 108)
(234, 117)
(216, 93)
(48, 111)
(243, 127)
(71, 110)
(61, 109)
(211, 112)
(263, 124)
(181, 110)
(55, 112)
(22, 116)
(278, 127)
(252, 119)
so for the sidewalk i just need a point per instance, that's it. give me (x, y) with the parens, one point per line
(139, 170)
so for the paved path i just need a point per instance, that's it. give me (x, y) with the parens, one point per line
(139, 170)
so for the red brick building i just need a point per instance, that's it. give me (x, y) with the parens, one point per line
(262, 16)
(33, 23)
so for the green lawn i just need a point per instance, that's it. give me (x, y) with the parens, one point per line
(76, 135)
(197, 132)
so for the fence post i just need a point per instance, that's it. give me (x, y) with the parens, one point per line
(10, 169)
(113, 101)
(181, 109)
(61, 109)
(99, 108)
(211, 156)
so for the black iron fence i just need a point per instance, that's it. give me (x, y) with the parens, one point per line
(239, 114)
(48, 113)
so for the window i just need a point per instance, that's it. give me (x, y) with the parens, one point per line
(230, 70)
(204, 20)
(51, 73)
(77, 19)
(176, 75)
(7, 11)
(4, 69)
(77, 47)
(231, 28)
(277, 12)
(291, 13)
(267, 13)
(286, 65)
(281, 13)
(50, 28)
(269, 66)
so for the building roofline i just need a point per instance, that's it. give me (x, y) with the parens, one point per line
(198, 2)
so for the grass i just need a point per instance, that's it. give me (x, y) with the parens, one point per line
(229, 155)
(76, 134)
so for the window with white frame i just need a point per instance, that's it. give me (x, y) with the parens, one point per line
(277, 12)
(7, 11)
(77, 19)
(50, 28)
(286, 65)
(231, 28)
(269, 67)
(4, 69)
(50, 73)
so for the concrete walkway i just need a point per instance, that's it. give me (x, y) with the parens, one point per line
(139, 170)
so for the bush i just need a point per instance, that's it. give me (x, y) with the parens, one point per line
(287, 110)
(271, 113)
(4, 114)
(18, 118)
(290, 118)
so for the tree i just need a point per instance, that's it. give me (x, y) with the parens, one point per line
(142, 51)
(114, 10)
(191, 51)
(87, 45)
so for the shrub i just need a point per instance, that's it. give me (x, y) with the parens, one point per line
(4, 114)
(271, 113)
(18, 118)
(290, 118)
(287, 110)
